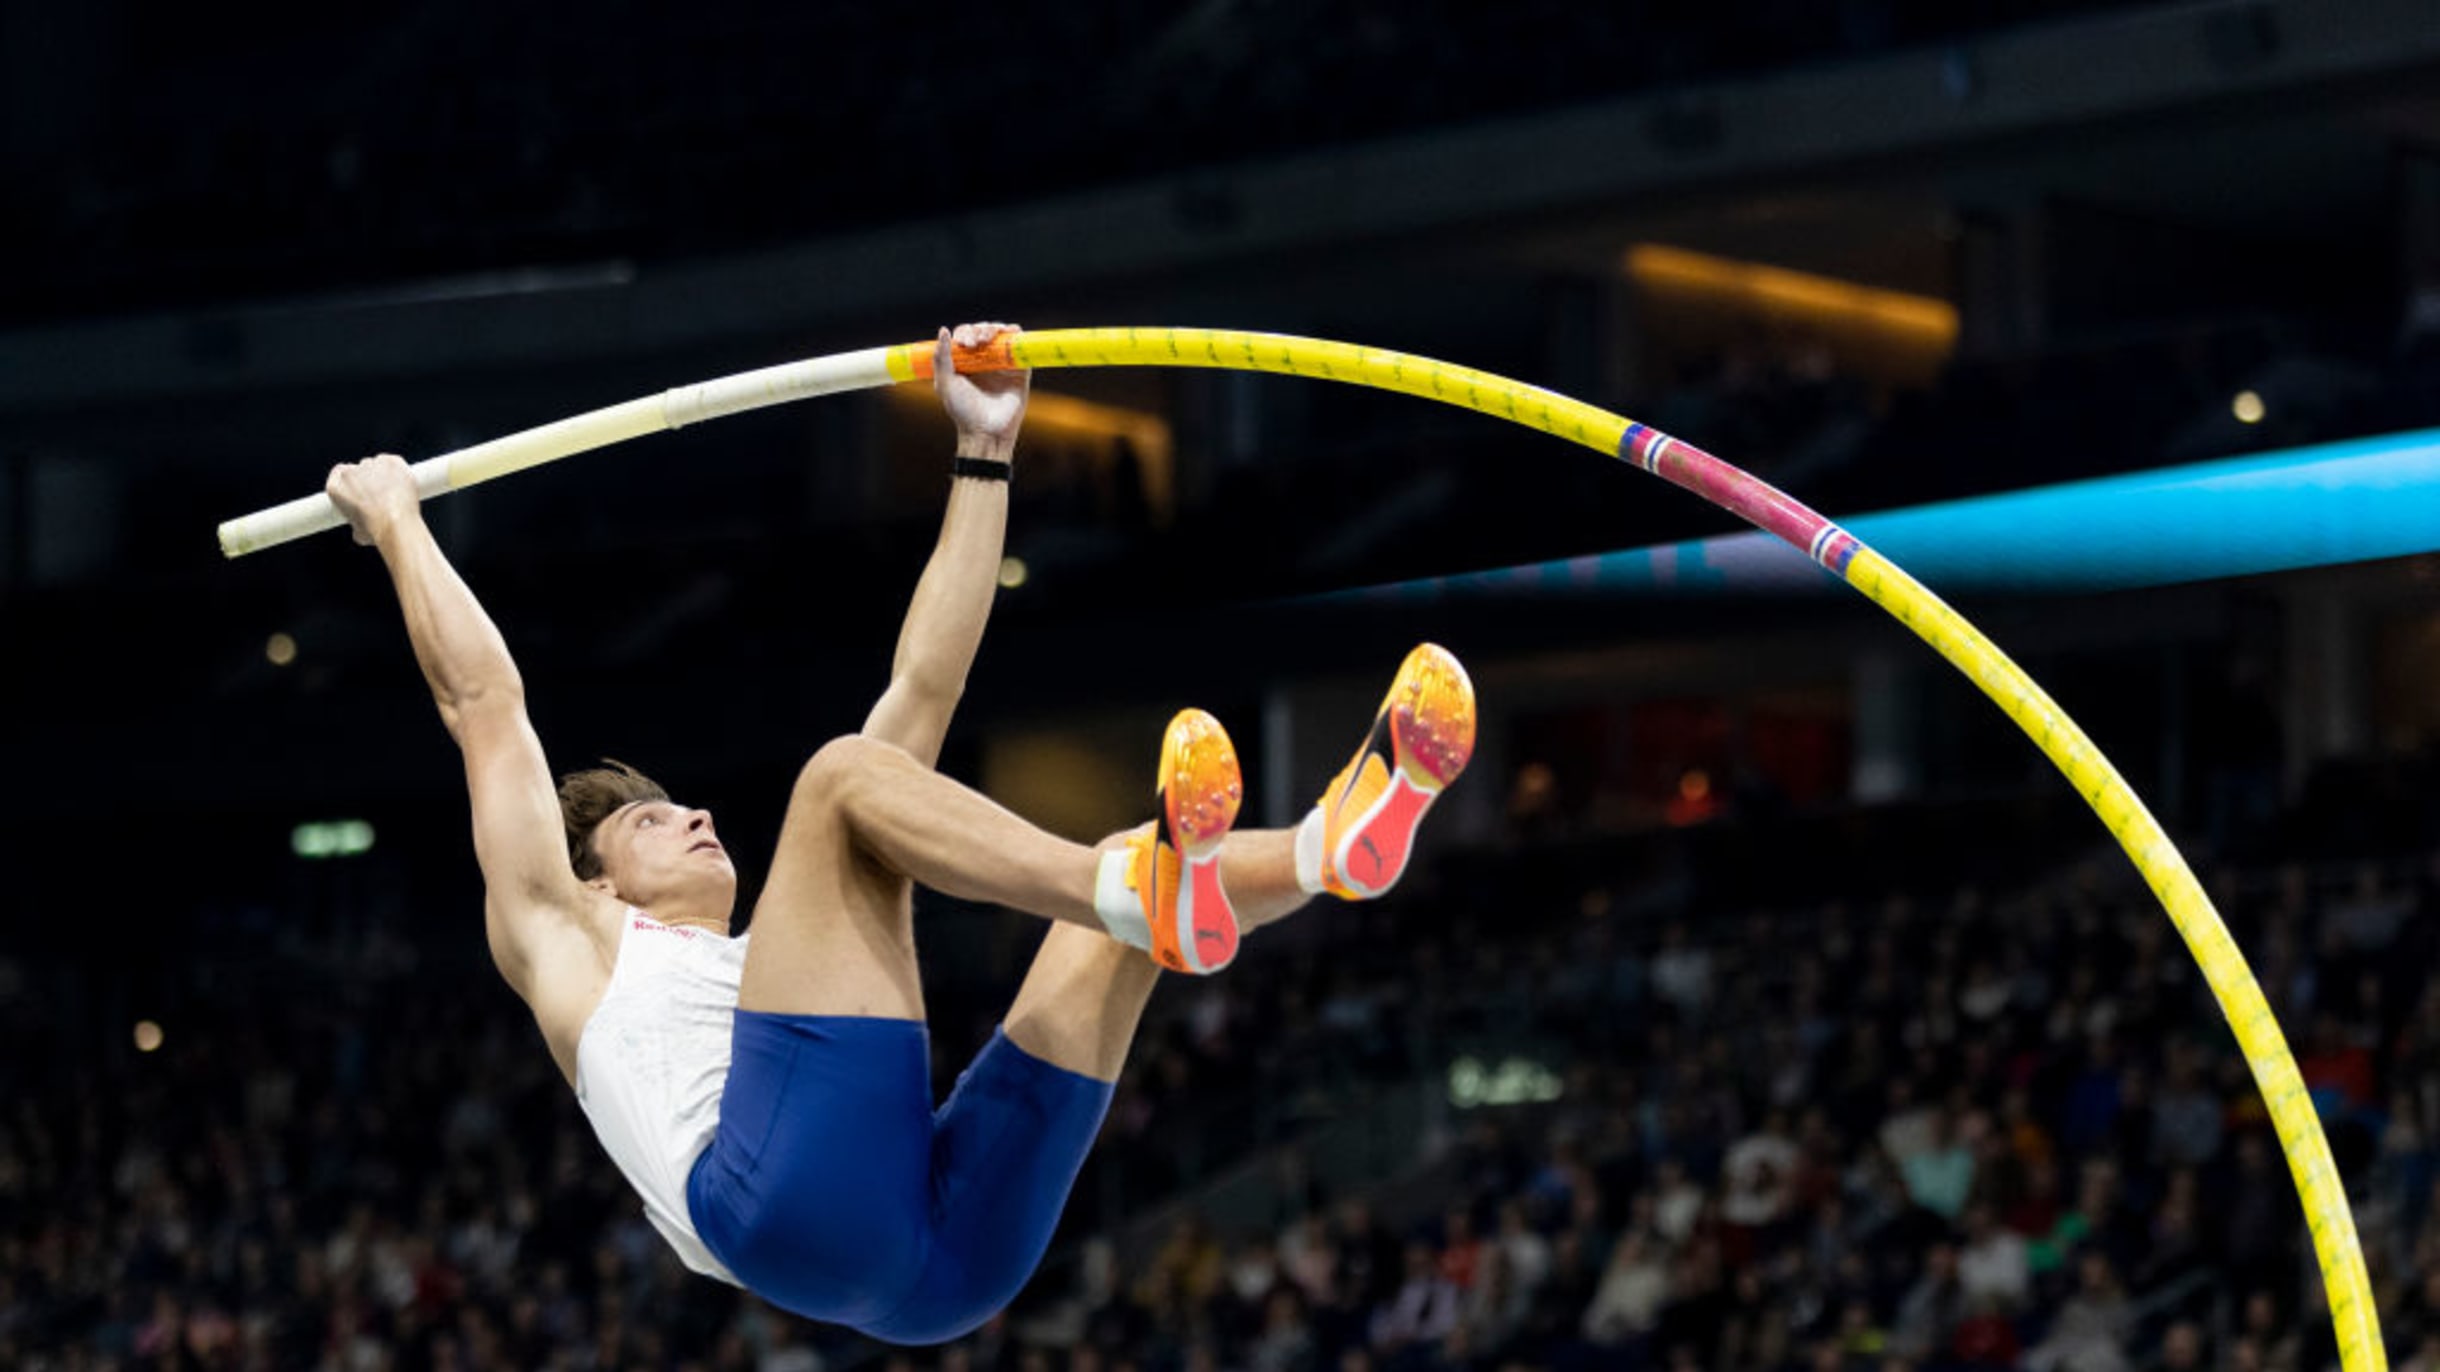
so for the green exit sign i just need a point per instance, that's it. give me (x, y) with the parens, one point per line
(334, 838)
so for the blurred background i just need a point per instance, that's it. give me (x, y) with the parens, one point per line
(1763, 1000)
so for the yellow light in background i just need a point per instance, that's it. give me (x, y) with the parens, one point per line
(1074, 780)
(148, 1036)
(1780, 290)
(1012, 572)
(2247, 407)
(1050, 414)
(282, 650)
(1071, 415)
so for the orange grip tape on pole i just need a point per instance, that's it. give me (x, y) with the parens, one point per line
(993, 356)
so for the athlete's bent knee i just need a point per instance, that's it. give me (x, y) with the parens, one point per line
(829, 778)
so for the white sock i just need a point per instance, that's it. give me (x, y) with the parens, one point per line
(1309, 852)
(1120, 907)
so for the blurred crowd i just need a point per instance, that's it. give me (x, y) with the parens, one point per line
(335, 1142)
(1980, 1130)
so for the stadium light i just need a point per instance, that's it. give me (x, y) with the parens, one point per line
(331, 839)
(1513, 1081)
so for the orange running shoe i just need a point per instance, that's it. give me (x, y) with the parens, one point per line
(1173, 863)
(1420, 741)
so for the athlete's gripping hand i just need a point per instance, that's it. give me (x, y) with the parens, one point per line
(376, 495)
(987, 406)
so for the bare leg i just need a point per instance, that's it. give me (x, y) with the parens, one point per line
(834, 932)
(947, 836)
(1081, 1001)
(1258, 870)
(1085, 993)
(834, 929)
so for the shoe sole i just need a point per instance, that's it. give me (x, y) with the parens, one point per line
(1430, 713)
(1201, 791)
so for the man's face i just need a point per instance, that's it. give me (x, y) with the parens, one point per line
(654, 850)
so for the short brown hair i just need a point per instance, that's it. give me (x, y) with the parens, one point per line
(588, 797)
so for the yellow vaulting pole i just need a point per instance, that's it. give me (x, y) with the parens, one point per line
(1883, 582)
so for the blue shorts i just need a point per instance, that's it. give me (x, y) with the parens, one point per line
(834, 1190)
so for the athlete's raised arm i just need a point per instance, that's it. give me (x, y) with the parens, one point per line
(944, 625)
(530, 888)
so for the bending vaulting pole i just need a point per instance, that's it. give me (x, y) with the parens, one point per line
(1682, 464)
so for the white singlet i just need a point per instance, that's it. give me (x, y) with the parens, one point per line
(652, 1060)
